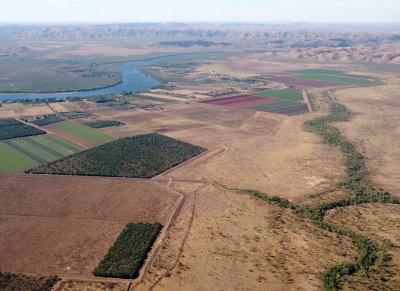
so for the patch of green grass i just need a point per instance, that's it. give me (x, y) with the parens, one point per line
(282, 107)
(359, 76)
(142, 156)
(317, 71)
(336, 79)
(11, 160)
(21, 154)
(70, 107)
(82, 132)
(151, 98)
(125, 258)
(282, 94)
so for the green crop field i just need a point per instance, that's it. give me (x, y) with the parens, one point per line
(358, 76)
(152, 98)
(21, 154)
(282, 107)
(317, 71)
(70, 107)
(282, 94)
(336, 79)
(141, 156)
(11, 160)
(83, 132)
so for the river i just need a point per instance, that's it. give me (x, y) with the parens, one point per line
(132, 81)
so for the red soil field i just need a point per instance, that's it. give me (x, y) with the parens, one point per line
(240, 101)
(303, 82)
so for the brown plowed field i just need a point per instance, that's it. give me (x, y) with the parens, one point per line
(65, 225)
(231, 117)
(303, 82)
(240, 101)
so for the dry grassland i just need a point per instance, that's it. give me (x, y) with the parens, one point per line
(239, 243)
(375, 129)
(98, 286)
(248, 66)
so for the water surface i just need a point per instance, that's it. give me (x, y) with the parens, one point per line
(132, 81)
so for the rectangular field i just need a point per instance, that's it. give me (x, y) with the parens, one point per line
(151, 98)
(48, 227)
(11, 128)
(79, 133)
(335, 79)
(282, 107)
(317, 71)
(239, 101)
(303, 82)
(291, 95)
(20, 154)
(126, 256)
(142, 156)
(70, 107)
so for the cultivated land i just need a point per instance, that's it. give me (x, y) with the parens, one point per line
(79, 217)
(336, 79)
(79, 133)
(142, 156)
(292, 95)
(21, 154)
(218, 237)
(282, 107)
(11, 128)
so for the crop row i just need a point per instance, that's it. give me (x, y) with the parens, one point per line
(141, 156)
(282, 107)
(125, 258)
(11, 128)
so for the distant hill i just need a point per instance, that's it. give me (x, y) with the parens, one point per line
(268, 35)
(192, 43)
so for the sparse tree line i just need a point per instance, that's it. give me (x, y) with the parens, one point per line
(103, 123)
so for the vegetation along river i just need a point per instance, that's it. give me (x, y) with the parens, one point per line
(132, 81)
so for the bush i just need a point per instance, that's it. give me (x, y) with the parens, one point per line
(103, 123)
(20, 282)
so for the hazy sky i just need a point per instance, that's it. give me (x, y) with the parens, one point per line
(199, 10)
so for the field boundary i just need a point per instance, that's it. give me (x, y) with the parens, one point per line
(307, 100)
